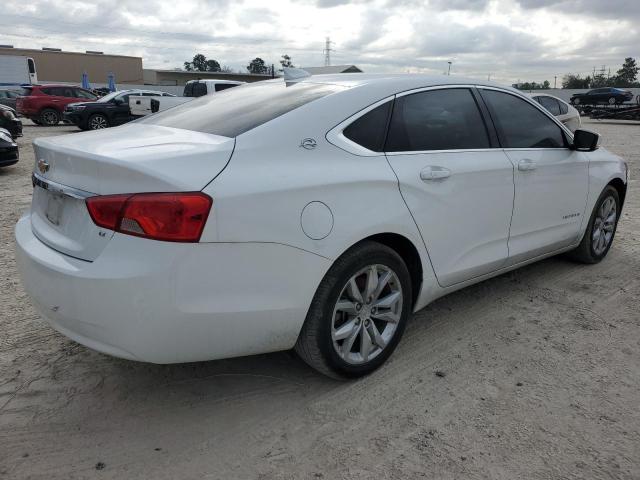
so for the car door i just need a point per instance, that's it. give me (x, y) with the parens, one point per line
(120, 111)
(551, 180)
(455, 180)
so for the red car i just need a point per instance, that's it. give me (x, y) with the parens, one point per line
(44, 104)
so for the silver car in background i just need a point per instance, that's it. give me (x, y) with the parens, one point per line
(559, 109)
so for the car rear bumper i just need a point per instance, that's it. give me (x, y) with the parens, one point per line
(164, 302)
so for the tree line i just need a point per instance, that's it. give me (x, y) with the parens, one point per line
(200, 63)
(626, 77)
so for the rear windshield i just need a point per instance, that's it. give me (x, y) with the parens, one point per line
(237, 110)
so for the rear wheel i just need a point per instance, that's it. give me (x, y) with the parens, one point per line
(601, 229)
(358, 313)
(49, 117)
(97, 122)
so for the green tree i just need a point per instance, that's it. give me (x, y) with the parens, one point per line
(626, 76)
(286, 62)
(199, 62)
(575, 81)
(257, 65)
(213, 66)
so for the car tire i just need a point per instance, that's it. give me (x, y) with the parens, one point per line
(612, 100)
(36, 121)
(49, 117)
(601, 228)
(97, 121)
(575, 101)
(346, 334)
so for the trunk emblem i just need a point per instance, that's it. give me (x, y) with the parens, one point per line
(43, 166)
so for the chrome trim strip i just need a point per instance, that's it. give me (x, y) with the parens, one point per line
(46, 184)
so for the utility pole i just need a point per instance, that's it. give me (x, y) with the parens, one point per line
(489, 78)
(555, 78)
(327, 52)
(449, 71)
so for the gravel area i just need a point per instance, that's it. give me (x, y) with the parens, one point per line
(534, 374)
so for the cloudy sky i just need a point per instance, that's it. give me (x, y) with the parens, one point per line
(529, 40)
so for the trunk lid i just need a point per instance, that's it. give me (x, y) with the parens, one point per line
(129, 159)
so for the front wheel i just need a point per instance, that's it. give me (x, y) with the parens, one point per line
(575, 101)
(601, 229)
(612, 101)
(358, 313)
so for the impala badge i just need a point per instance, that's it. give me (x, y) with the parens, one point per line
(43, 166)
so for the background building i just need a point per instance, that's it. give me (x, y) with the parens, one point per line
(54, 65)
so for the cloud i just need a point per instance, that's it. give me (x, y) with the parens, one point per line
(511, 39)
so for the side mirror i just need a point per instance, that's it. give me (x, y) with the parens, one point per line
(585, 140)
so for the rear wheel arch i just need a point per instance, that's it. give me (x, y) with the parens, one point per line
(407, 251)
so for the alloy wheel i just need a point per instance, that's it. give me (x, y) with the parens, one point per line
(604, 225)
(49, 118)
(98, 122)
(366, 315)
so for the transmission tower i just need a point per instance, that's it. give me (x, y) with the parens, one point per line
(327, 51)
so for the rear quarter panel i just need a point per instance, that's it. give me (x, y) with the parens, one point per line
(270, 179)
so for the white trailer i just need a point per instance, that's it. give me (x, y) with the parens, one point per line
(141, 106)
(16, 70)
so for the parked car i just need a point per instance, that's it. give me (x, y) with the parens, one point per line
(8, 97)
(44, 104)
(108, 111)
(609, 95)
(9, 153)
(559, 109)
(314, 214)
(9, 121)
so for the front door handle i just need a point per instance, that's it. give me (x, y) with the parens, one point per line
(526, 165)
(434, 173)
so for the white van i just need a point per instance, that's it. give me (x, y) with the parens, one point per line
(141, 106)
(16, 70)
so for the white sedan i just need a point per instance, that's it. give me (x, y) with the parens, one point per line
(315, 214)
(559, 109)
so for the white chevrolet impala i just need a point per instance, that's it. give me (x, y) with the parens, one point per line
(315, 214)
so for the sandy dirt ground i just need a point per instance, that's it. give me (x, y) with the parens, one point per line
(534, 374)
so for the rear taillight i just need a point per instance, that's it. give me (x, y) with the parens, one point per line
(172, 217)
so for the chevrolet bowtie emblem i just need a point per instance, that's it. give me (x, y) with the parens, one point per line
(43, 166)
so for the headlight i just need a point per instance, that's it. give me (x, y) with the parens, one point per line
(8, 114)
(6, 137)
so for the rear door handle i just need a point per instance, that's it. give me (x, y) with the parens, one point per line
(526, 165)
(433, 172)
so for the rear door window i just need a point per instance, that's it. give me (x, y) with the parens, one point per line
(369, 130)
(447, 119)
(241, 109)
(520, 124)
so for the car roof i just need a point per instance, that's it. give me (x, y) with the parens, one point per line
(397, 82)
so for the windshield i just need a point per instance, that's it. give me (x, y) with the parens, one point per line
(234, 111)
